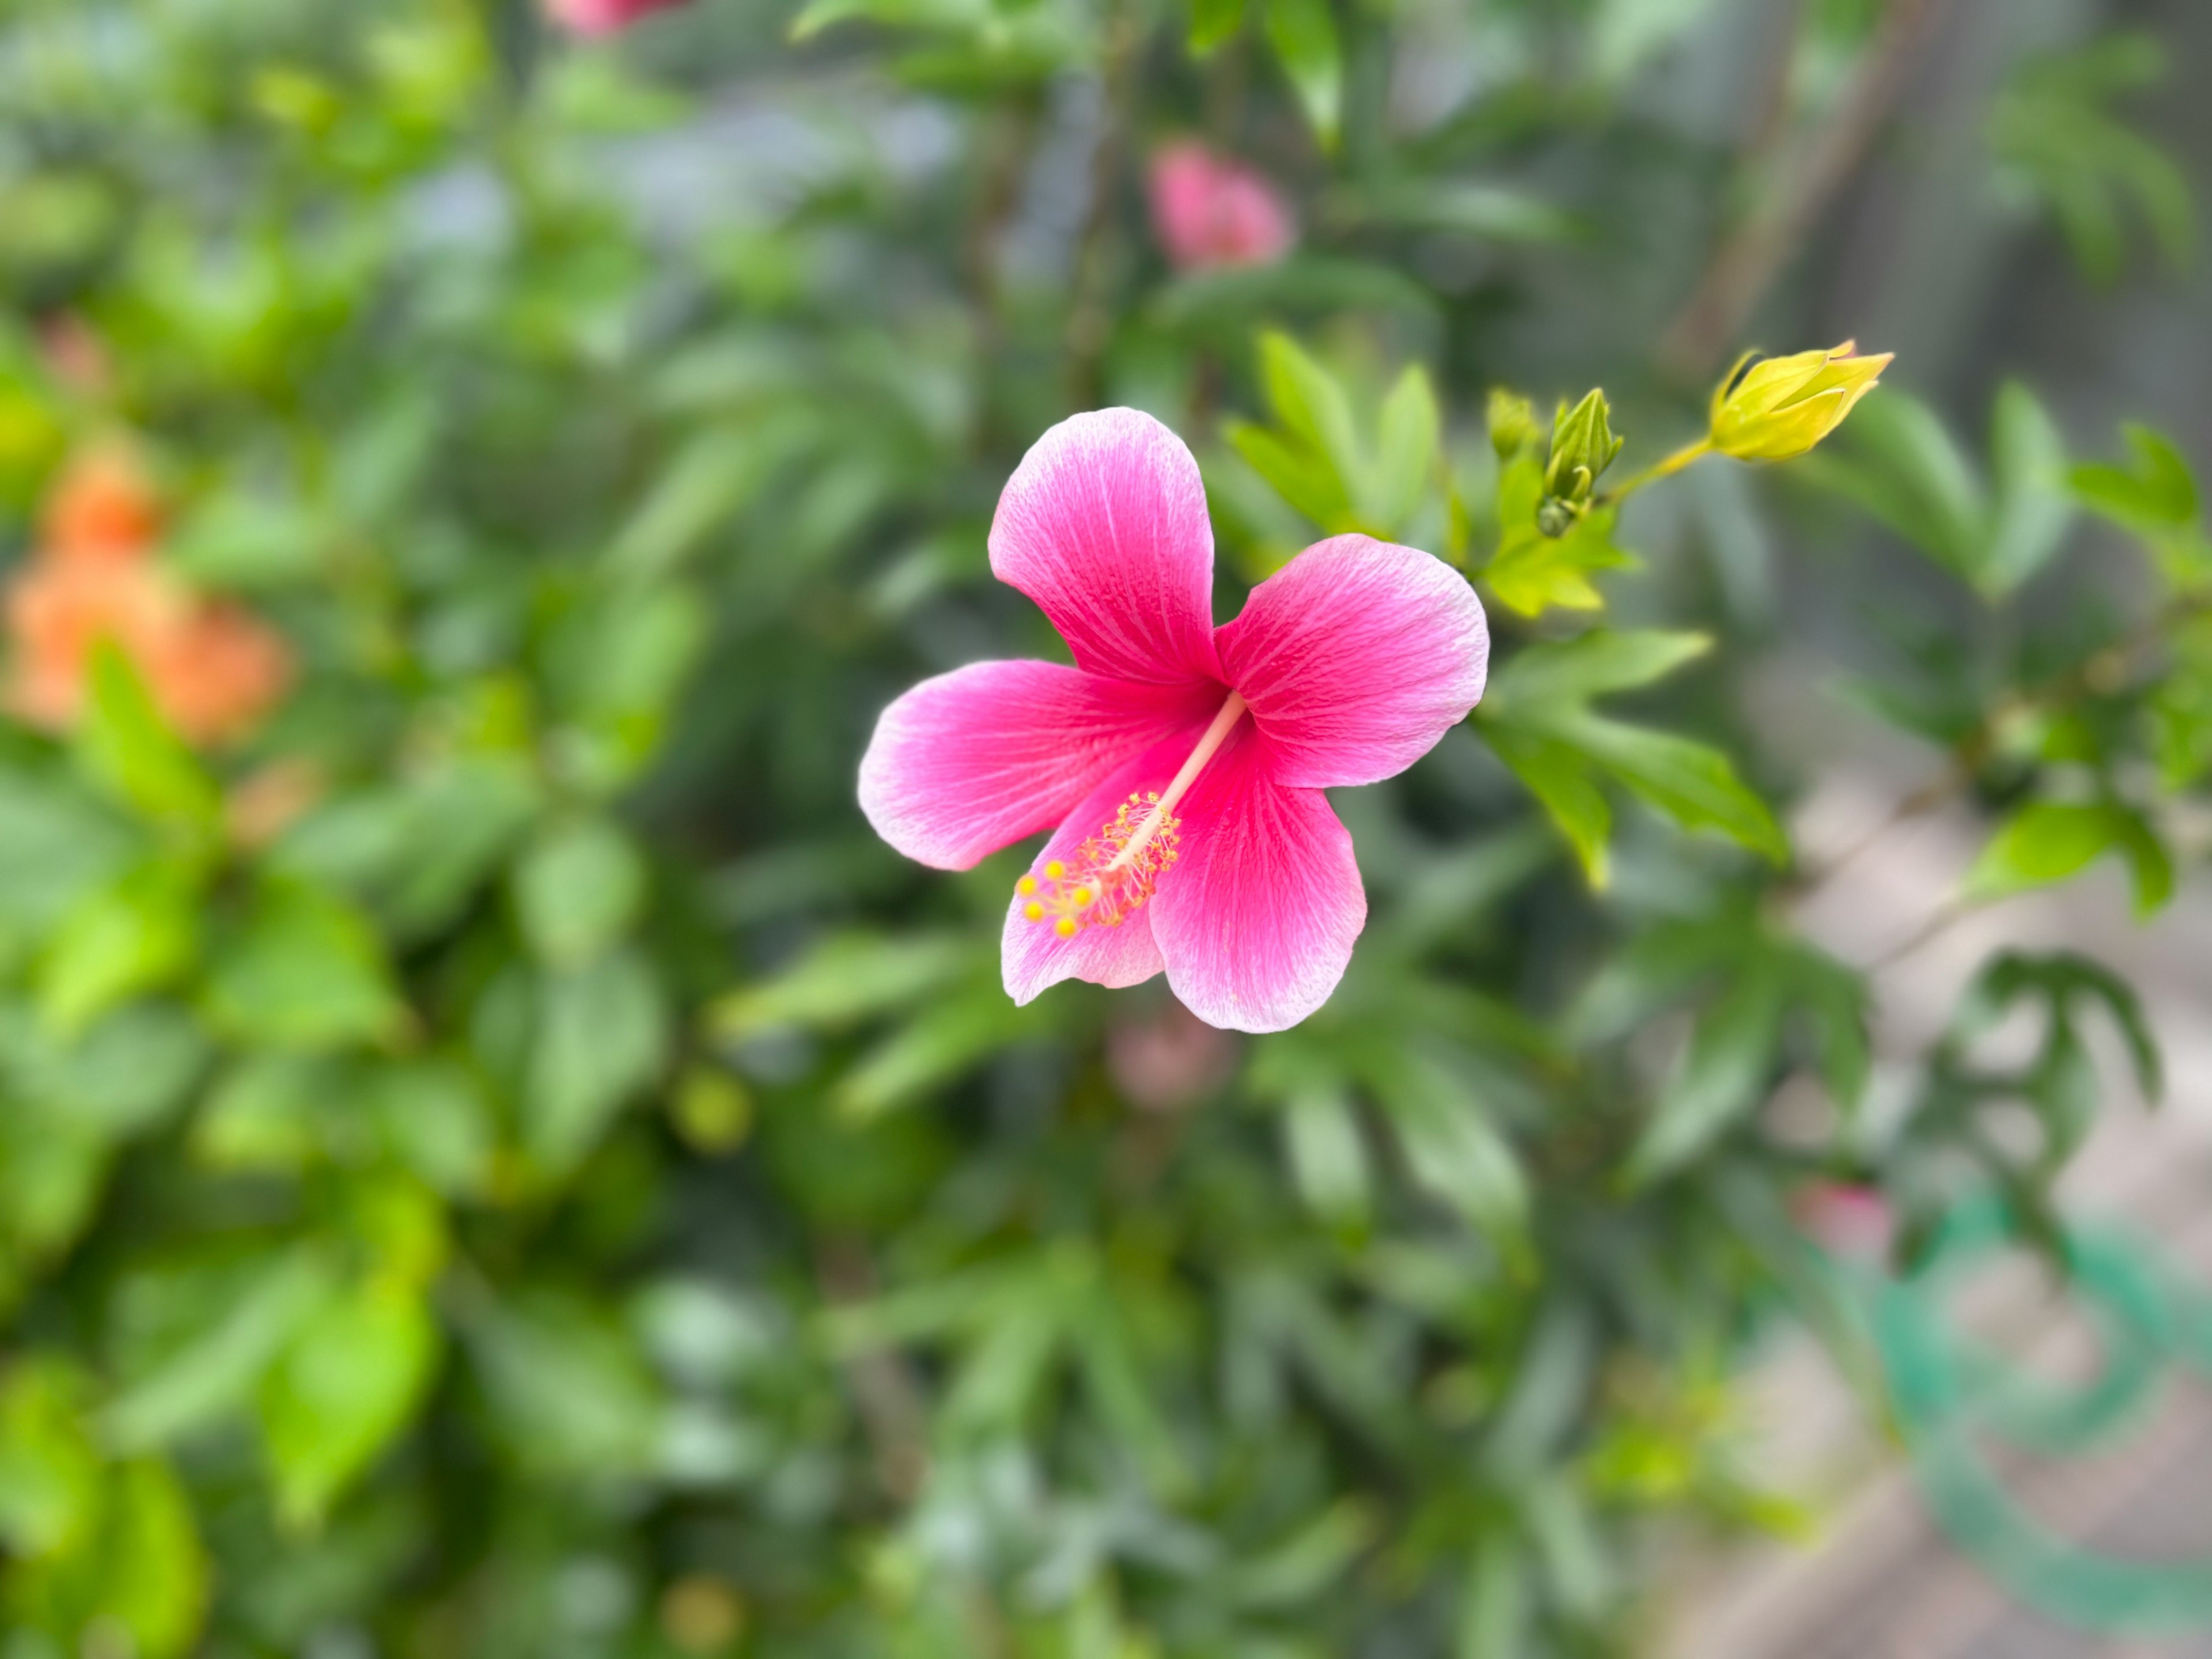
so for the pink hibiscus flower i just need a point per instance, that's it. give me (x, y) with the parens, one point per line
(1210, 212)
(603, 16)
(1183, 764)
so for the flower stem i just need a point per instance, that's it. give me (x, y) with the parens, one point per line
(1683, 459)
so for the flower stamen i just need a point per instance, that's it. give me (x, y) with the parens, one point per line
(1108, 879)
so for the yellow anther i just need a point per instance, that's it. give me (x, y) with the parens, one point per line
(1109, 876)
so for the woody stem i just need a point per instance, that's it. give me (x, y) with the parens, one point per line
(1216, 735)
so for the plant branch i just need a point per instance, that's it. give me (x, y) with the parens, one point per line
(1751, 258)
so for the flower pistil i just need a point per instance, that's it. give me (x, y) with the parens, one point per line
(1108, 878)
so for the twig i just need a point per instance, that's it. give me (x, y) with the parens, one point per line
(1939, 921)
(1750, 258)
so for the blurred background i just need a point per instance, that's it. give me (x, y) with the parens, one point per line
(497, 1158)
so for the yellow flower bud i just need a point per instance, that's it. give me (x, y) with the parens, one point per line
(1776, 410)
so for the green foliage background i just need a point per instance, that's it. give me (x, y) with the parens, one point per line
(576, 1192)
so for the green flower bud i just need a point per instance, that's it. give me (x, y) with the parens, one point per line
(1582, 446)
(1512, 423)
(1778, 410)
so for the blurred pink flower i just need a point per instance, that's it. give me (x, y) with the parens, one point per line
(1210, 212)
(1846, 1220)
(1189, 837)
(603, 16)
(1169, 1060)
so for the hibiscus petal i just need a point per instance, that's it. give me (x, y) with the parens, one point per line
(1257, 917)
(1032, 956)
(973, 760)
(1104, 526)
(1356, 657)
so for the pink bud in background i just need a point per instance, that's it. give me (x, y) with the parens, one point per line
(1210, 213)
(603, 16)
(1850, 1222)
(1173, 1058)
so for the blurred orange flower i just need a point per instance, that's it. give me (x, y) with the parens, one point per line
(213, 669)
(104, 507)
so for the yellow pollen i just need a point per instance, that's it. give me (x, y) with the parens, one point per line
(1107, 879)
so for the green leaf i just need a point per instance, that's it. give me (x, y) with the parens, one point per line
(847, 978)
(707, 484)
(2033, 507)
(139, 1570)
(1532, 573)
(1720, 1079)
(55, 846)
(2155, 495)
(305, 971)
(1329, 1158)
(568, 1389)
(1898, 460)
(1304, 34)
(577, 891)
(216, 1371)
(945, 1039)
(1693, 783)
(601, 1038)
(349, 1382)
(127, 746)
(1566, 787)
(1213, 22)
(267, 1114)
(49, 1470)
(1571, 671)
(1408, 432)
(141, 934)
(1454, 1152)
(2049, 842)
(1298, 473)
(417, 852)
(1537, 718)
(435, 1120)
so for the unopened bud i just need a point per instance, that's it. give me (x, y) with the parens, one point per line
(1512, 423)
(1582, 446)
(1776, 410)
